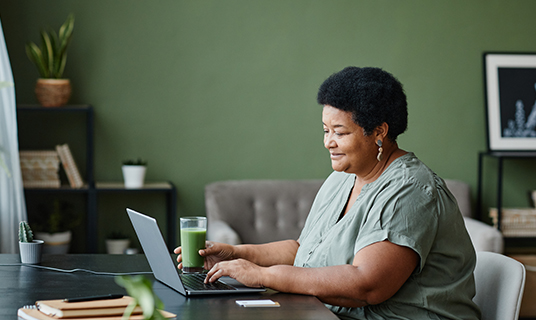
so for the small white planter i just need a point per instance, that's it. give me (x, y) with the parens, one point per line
(117, 246)
(134, 176)
(55, 243)
(31, 252)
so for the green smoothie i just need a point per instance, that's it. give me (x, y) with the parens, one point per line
(192, 240)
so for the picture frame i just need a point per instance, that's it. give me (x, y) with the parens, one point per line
(510, 83)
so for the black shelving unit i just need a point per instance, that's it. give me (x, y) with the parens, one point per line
(166, 188)
(500, 157)
(91, 189)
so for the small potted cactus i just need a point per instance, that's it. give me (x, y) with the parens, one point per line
(30, 249)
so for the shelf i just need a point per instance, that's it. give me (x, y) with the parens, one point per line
(69, 108)
(510, 154)
(62, 188)
(120, 187)
(500, 156)
(91, 190)
(106, 187)
(167, 188)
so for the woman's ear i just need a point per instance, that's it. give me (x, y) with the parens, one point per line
(381, 131)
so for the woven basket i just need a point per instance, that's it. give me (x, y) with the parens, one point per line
(515, 222)
(53, 92)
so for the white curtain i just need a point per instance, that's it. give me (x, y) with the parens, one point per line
(12, 205)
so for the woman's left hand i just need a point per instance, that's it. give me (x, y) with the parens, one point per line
(242, 270)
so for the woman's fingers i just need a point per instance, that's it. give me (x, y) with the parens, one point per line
(214, 273)
(242, 270)
(178, 251)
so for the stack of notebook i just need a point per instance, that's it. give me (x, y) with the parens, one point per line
(110, 309)
(40, 169)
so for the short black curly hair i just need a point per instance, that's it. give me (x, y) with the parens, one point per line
(374, 96)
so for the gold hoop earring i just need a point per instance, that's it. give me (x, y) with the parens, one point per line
(380, 150)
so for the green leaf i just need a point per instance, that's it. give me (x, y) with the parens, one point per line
(48, 51)
(129, 309)
(140, 288)
(61, 66)
(66, 31)
(35, 55)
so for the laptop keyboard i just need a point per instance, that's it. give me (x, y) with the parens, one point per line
(195, 281)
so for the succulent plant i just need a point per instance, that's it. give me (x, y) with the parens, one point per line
(138, 162)
(51, 57)
(25, 232)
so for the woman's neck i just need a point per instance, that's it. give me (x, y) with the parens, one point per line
(390, 153)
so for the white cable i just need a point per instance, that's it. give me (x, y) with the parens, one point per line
(75, 270)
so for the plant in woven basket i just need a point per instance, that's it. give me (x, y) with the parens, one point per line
(50, 58)
(25, 232)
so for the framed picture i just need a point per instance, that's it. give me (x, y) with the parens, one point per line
(511, 101)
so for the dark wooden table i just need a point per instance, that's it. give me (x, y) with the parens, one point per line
(21, 285)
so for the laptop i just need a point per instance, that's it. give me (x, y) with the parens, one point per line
(165, 270)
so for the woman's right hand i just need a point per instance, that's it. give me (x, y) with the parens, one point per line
(216, 252)
(213, 253)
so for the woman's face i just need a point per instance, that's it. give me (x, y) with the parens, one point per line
(350, 150)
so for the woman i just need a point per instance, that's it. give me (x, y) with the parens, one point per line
(384, 238)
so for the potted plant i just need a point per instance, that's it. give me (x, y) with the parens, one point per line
(30, 249)
(140, 288)
(51, 89)
(54, 226)
(117, 243)
(134, 173)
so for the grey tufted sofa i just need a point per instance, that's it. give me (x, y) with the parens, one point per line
(259, 211)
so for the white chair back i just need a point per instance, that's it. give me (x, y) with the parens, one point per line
(500, 281)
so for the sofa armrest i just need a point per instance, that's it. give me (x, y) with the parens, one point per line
(484, 236)
(219, 231)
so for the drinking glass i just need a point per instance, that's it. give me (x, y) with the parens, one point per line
(193, 237)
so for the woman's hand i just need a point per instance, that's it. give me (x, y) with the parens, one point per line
(213, 253)
(242, 270)
(216, 252)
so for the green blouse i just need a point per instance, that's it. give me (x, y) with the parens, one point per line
(407, 205)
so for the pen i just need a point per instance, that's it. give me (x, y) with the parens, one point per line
(92, 298)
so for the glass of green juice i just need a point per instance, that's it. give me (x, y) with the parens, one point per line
(193, 237)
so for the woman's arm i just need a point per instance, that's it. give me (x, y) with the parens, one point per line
(377, 273)
(269, 254)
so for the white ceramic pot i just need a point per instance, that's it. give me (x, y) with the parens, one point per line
(134, 176)
(30, 252)
(117, 246)
(55, 243)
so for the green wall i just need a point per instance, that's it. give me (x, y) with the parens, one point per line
(213, 90)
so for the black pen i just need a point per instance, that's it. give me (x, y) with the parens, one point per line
(92, 298)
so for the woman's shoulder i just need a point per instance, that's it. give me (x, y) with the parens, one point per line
(414, 169)
(410, 170)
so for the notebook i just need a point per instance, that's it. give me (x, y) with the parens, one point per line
(165, 270)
